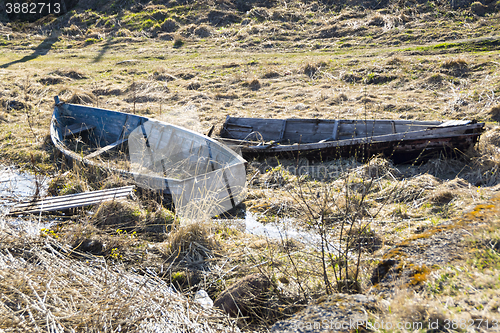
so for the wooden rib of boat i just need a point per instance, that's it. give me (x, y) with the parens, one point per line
(400, 140)
(199, 172)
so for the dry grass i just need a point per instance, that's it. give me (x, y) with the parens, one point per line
(442, 196)
(68, 183)
(194, 242)
(377, 20)
(416, 310)
(44, 290)
(76, 96)
(72, 73)
(312, 70)
(495, 113)
(490, 141)
(146, 92)
(120, 214)
(378, 168)
(455, 63)
(169, 25)
(485, 168)
(193, 85)
(203, 31)
(178, 41)
(254, 84)
(395, 61)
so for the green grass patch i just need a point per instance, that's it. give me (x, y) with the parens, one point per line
(148, 24)
(476, 45)
(91, 41)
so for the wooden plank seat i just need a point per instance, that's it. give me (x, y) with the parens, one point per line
(106, 148)
(76, 129)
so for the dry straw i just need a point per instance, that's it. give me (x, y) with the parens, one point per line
(42, 289)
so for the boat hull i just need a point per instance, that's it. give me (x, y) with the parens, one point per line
(406, 141)
(203, 176)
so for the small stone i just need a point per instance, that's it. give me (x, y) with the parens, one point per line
(300, 107)
(201, 297)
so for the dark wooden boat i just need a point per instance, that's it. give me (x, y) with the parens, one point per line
(202, 175)
(401, 140)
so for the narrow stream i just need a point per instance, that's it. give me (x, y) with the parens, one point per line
(17, 186)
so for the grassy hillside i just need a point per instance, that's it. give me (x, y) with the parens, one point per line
(309, 20)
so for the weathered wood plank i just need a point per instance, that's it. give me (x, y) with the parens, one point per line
(66, 202)
(85, 196)
(80, 196)
(335, 132)
(42, 206)
(47, 205)
(317, 134)
(241, 128)
(454, 123)
(307, 131)
(282, 133)
(314, 130)
(228, 141)
(76, 129)
(107, 148)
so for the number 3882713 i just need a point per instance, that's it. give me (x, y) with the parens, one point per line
(32, 8)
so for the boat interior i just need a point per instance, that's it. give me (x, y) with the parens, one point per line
(134, 143)
(303, 131)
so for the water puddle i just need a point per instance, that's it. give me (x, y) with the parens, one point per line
(17, 186)
(284, 229)
(281, 229)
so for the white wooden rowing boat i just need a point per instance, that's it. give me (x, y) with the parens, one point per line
(203, 176)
